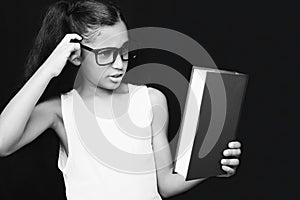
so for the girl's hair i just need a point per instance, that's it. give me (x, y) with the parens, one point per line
(83, 17)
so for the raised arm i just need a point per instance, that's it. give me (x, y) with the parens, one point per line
(18, 115)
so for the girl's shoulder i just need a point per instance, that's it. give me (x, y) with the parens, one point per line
(156, 96)
(52, 106)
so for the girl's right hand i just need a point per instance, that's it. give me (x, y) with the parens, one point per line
(58, 58)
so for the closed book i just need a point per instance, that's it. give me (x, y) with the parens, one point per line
(209, 122)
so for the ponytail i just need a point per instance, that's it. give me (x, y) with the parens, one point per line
(54, 26)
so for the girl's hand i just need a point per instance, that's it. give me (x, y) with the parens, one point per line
(58, 58)
(230, 165)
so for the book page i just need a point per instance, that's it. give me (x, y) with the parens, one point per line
(216, 70)
(190, 121)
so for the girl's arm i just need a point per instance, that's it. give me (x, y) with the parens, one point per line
(15, 116)
(170, 184)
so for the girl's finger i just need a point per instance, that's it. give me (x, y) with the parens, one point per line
(234, 145)
(228, 170)
(231, 162)
(232, 152)
(71, 36)
(74, 47)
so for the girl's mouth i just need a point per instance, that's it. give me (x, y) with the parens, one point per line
(116, 77)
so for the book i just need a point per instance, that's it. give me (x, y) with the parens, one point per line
(209, 122)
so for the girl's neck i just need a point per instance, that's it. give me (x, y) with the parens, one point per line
(87, 90)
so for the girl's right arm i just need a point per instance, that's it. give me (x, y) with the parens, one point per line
(21, 120)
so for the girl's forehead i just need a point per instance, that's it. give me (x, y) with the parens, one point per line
(110, 36)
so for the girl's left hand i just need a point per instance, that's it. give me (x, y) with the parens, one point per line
(230, 165)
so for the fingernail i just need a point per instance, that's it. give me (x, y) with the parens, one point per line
(225, 153)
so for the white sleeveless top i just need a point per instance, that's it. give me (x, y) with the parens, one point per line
(87, 175)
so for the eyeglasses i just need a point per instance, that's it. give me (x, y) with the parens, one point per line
(108, 55)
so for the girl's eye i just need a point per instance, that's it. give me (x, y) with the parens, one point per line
(104, 54)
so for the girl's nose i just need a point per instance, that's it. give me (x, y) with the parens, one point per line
(118, 64)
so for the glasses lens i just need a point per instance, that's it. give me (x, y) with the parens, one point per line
(105, 56)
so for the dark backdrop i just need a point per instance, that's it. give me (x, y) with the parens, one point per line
(258, 38)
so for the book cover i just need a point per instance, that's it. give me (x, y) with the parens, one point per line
(209, 122)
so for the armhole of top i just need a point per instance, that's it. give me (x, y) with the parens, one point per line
(63, 158)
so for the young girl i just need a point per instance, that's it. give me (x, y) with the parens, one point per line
(102, 58)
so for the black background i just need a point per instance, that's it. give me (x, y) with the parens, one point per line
(257, 38)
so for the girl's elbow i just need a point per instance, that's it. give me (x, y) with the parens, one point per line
(165, 193)
(4, 154)
(3, 150)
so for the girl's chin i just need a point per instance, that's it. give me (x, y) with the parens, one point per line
(110, 85)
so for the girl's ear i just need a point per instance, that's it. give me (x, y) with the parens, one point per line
(75, 58)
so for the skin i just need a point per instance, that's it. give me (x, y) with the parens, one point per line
(30, 120)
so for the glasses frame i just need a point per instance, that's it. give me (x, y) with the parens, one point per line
(117, 51)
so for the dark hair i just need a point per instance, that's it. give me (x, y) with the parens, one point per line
(81, 17)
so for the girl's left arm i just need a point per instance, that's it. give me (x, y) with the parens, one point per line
(170, 184)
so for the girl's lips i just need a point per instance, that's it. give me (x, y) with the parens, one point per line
(115, 75)
(115, 79)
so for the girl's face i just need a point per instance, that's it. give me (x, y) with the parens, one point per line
(108, 76)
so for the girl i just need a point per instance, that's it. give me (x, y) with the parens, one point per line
(102, 57)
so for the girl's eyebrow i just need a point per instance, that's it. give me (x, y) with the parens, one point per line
(125, 44)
